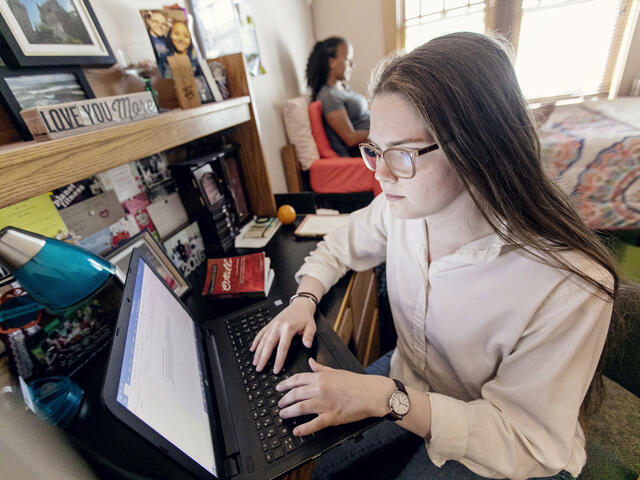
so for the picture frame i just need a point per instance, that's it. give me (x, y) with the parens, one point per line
(69, 35)
(209, 185)
(153, 252)
(153, 170)
(25, 88)
(160, 25)
(186, 248)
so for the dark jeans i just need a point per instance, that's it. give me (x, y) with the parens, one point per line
(388, 451)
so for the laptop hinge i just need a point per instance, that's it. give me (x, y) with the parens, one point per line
(231, 466)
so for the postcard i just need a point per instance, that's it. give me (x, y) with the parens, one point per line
(94, 214)
(168, 214)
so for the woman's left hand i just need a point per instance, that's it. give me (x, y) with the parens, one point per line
(336, 396)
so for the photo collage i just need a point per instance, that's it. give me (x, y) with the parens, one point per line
(131, 198)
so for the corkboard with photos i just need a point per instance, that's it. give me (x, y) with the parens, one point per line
(103, 212)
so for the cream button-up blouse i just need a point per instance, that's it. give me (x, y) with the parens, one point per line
(505, 344)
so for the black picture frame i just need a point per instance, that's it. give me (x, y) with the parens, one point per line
(12, 103)
(155, 255)
(22, 46)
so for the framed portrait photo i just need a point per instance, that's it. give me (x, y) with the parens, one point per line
(55, 32)
(186, 248)
(40, 87)
(170, 34)
(153, 253)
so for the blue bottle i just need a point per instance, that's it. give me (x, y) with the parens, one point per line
(57, 274)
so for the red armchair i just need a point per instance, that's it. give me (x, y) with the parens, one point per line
(329, 173)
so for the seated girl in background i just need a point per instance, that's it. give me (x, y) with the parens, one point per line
(345, 112)
(500, 295)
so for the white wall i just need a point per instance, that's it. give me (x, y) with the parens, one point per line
(123, 26)
(361, 23)
(285, 37)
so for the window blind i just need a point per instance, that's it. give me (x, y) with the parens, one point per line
(427, 19)
(566, 49)
(569, 48)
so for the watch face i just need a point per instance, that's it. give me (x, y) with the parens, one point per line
(400, 403)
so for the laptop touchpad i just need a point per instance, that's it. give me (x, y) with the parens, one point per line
(320, 351)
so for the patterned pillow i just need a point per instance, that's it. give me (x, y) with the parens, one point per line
(298, 128)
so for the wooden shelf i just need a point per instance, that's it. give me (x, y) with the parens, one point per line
(32, 168)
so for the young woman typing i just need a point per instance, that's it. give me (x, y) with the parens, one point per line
(500, 295)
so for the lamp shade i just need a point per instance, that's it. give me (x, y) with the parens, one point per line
(57, 274)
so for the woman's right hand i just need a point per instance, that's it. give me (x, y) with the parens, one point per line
(296, 319)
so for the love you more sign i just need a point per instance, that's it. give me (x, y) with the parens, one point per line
(66, 119)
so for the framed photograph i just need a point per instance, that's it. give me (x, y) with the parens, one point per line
(170, 35)
(153, 170)
(208, 182)
(39, 87)
(233, 179)
(155, 255)
(52, 33)
(186, 249)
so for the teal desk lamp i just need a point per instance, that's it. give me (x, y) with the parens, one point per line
(56, 274)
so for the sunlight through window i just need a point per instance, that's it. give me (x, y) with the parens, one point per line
(564, 46)
(428, 19)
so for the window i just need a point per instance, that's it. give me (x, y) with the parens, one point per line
(226, 26)
(565, 48)
(427, 19)
(217, 27)
(569, 48)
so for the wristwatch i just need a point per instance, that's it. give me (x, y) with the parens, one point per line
(399, 404)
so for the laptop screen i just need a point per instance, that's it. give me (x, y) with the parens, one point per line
(161, 379)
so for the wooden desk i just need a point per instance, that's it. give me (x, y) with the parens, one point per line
(96, 431)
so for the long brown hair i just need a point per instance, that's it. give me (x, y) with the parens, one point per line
(464, 87)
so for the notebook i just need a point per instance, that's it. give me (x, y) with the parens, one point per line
(320, 225)
(189, 388)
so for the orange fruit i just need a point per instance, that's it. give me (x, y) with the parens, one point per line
(286, 214)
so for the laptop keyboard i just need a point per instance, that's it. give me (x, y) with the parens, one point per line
(275, 434)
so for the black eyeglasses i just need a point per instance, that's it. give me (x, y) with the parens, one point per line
(401, 161)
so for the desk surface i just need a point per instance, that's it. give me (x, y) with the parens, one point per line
(104, 439)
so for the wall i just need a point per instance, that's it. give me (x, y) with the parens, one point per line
(285, 37)
(361, 22)
(124, 29)
(632, 67)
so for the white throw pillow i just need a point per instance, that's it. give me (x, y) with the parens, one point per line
(298, 128)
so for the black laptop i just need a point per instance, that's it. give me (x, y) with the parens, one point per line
(189, 387)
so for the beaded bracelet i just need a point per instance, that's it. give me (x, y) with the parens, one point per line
(310, 296)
